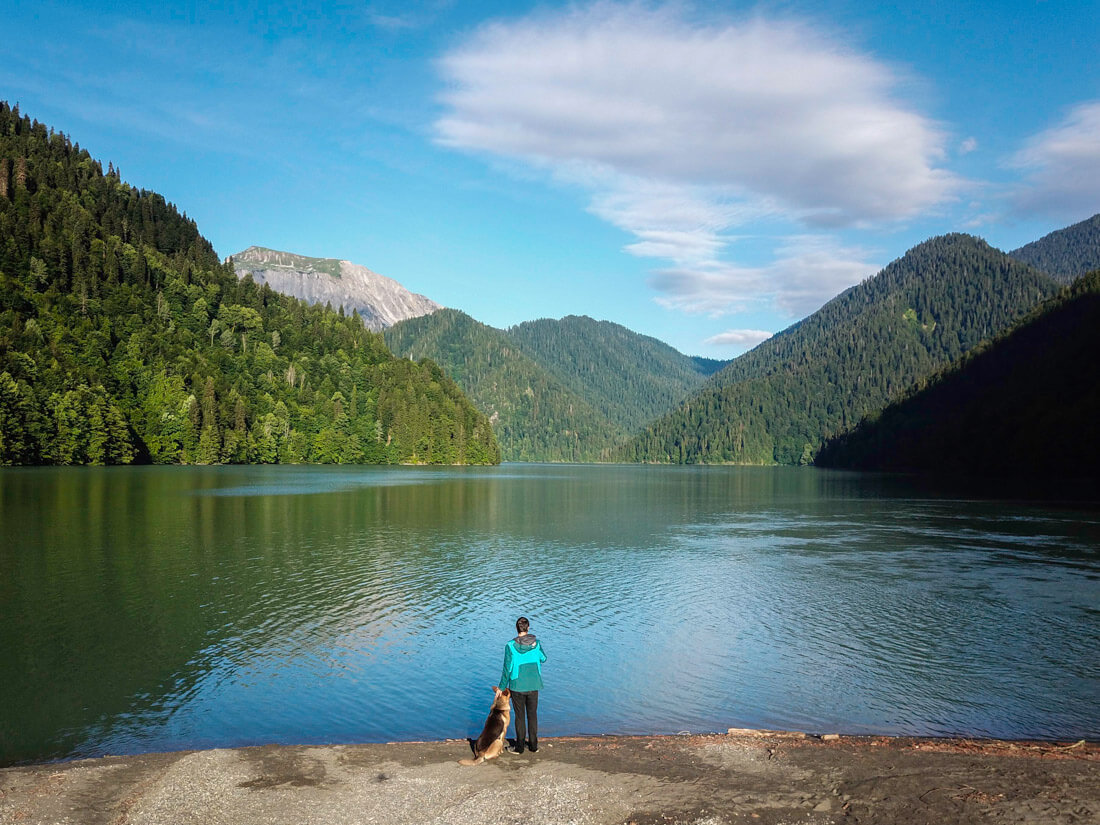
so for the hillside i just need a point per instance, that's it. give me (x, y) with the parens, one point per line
(1025, 404)
(124, 339)
(630, 378)
(568, 390)
(534, 415)
(778, 402)
(379, 301)
(1067, 254)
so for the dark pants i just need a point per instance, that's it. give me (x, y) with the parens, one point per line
(525, 712)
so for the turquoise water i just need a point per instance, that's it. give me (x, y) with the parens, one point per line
(151, 609)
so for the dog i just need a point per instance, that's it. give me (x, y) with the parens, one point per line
(491, 742)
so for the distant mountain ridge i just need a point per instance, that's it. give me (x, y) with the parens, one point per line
(533, 415)
(778, 402)
(630, 378)
(380, 301)
(1066, 254)
(555, 390)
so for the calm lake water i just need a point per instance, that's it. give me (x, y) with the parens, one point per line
(150, 609)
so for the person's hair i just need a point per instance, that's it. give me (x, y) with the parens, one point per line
(522, 624)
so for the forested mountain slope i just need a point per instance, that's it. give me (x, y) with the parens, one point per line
(535, 416)
(1067, 254)
(630, 378)
(1026, 404)
(123, 338)
(568, 390)
(777, 403)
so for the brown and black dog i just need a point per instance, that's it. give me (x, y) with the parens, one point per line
(491, 742)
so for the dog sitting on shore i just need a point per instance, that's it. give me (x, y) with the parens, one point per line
(491, 742)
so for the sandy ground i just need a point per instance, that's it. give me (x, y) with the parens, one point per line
(745, 776)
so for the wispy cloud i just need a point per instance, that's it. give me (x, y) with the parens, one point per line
(1062, 167)
(391, 21)
(807, 272)
(204, 88)
(677, 222)
(399, 16)
(739, 338)
(684, 132)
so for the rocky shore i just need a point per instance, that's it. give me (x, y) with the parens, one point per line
(744, 776)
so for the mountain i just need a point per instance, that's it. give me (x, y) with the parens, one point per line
(1025, 404)
(630, 378)
(1067, 254)
(380, 301)
(568, 390)
(535, 416)
(124, 339)
(778, 402)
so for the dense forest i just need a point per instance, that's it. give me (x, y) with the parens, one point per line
(1066, 254)
(124, 339)
(557, 390)
(779, 402)
(535, 416)
(630, 378)
(1024, 404)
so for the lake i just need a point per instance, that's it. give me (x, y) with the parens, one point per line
(152, 609)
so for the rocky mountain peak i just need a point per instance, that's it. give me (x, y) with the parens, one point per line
(380, 301)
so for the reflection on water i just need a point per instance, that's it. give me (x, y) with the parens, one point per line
(165, 608)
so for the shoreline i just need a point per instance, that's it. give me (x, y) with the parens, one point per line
(744, 775)
(946, 741)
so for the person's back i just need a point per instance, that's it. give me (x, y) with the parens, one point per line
(522, 675)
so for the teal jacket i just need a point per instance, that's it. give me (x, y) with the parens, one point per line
(523, 658)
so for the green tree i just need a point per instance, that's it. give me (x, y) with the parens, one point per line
(19, 422)
(123, 336)
(164, 423)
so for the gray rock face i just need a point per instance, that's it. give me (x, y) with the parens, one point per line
(380, 301)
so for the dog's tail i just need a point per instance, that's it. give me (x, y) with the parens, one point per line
(477, 761)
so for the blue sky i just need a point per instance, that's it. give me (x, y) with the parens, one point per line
(703, 173)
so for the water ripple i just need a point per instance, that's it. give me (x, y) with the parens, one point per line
(322, 605)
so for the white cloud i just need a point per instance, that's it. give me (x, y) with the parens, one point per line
(684, 132)
(770, 108)
(1062, 166)
(675, 222)
(740, 338)
(968, 146)
(807, 272)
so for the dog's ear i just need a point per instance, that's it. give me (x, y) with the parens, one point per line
(507, 691)
(495, 690)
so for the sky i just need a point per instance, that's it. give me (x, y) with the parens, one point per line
(704, 173)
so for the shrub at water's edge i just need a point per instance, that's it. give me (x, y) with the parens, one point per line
(124, 339)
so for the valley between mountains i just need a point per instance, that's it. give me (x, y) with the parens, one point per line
(577, 389)
(124, 338)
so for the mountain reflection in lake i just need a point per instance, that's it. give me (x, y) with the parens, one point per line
(150, 609)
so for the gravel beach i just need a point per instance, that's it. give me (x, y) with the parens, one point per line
(744, 776)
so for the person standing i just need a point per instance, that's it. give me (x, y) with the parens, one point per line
(522, 674)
